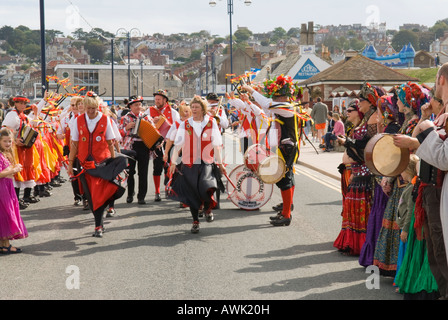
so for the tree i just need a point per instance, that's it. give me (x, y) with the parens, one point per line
(357, 44)
(6, 32)
(277, 34)
(403, 37)
(242, 35)
(31, 50)
(80, 34)
(96, 49)
(293, 32)
(439, 28)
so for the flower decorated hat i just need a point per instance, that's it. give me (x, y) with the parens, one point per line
(282, 86)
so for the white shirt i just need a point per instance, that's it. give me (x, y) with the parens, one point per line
(198, 127)
(268, 105)
(91, 124)
(12, 119)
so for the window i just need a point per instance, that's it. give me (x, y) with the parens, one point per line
(86, 78)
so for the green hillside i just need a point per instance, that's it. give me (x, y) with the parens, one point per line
(426, 75)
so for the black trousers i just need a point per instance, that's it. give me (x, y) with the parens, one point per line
(434, 238)
(142, 163)
(289, 153)
(159, 164)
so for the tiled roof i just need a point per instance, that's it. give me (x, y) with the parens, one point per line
(358, 68)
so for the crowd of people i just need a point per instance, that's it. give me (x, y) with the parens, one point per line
(103, 149)
(398, 223)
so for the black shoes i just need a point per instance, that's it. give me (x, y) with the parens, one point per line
(44, 193)
(157, 197)
(31, 199)
(110, 212)
(98, 233)
(279, 207)
(209, 217)
(281, 221)
(23, 205)
(85, 204)
(141, 201)
(195, 227)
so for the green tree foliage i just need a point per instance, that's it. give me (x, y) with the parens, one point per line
(242, 35)
(439, 28)
(403, 37)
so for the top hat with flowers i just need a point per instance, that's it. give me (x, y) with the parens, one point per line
(282, 86)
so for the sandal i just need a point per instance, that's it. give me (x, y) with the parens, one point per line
(9, 251)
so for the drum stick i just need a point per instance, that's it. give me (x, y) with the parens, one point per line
(233, 185)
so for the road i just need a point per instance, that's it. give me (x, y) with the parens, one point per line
(148, 252)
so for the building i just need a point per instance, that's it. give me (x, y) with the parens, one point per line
(98, 78)
(424, 59)
(300, 61)
(347, 76)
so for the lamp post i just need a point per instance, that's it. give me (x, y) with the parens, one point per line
(43, 62)
(212, 3)
(128, 35)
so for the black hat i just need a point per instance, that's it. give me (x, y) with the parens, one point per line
(133, 99)
(212, 96)
(162, 93)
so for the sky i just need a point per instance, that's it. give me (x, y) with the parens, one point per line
(188, 16)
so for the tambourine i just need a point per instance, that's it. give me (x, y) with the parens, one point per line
(383, 158)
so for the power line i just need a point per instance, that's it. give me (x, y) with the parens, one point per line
(108, 39)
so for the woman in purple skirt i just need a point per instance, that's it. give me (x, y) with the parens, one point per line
(389, 111)
(11, 223)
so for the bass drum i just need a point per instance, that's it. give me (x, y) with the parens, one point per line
(251, 192)
(267, 165)
(383, 158)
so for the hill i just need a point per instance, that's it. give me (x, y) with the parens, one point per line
(426, 75)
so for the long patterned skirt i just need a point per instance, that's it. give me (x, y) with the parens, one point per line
(373, 226)
(388, 243)
(355, 214)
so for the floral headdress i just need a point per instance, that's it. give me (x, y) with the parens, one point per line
(388, 107)
(282, 86)
(370, 93)
(413, 96)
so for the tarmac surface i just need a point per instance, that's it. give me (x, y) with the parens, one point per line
(149, 253)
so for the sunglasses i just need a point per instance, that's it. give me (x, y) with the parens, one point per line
(350, 110)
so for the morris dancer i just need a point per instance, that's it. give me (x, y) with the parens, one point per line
(280, 92)
(16, 120)
(161, 109)
(93, 143)
(64, 133)
(200, 140)
(213, 106)
(254, 123)
(136, 144)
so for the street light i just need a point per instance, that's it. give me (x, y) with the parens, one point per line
(128, 35)
(212, 3)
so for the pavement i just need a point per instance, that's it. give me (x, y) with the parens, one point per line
(316, 159)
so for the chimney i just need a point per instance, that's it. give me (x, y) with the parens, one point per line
(311, 33)
(303, 35)
(350, 54)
